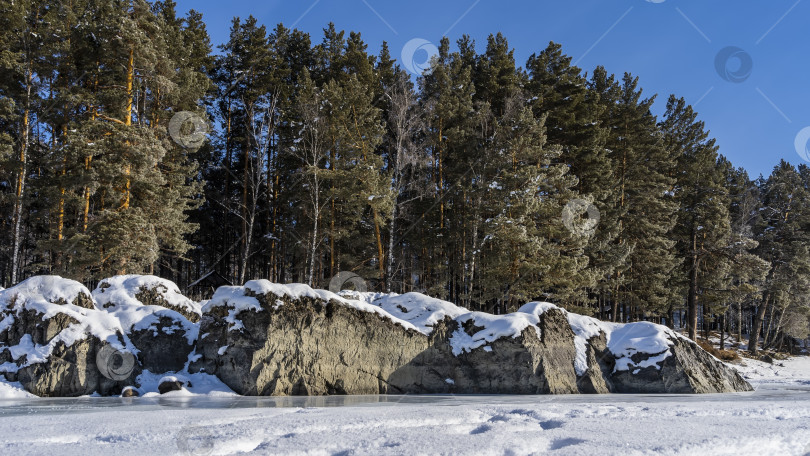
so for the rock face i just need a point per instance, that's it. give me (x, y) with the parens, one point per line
(58, 339)
(292, 343)
(268, 339)
(688, 369)
(51, 337)
(158, 319)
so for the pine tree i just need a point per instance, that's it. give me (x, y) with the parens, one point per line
(559, 90)
(748, 270)
(703, 229)
(646, 208)
(782, 236)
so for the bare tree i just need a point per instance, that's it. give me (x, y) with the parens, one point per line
(405, 158)
(261, 127)
(312, 150)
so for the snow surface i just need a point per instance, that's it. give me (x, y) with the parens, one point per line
(123, 289)
(772, 420)
(420, 310)
(42, 292)
(118, 296)
(236, 301)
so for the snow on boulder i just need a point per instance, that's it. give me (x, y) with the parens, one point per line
(58, 339)
(55, 342)
(643, 357)
(145, 290)
(421, 311)
(159, 320)
(271, 339)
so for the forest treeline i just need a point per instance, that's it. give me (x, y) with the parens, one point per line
(323, 158)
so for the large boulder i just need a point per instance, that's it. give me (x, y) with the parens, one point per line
(55, 342)
(270, 339)
(644, 357)
(157, 318)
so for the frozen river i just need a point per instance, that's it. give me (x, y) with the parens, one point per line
(776, 393)
(773, 420)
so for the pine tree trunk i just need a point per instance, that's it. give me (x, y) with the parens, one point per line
(380, 253)
(60, 223)
(756, 327)
(20, 190)
(128, 121)
(692, 294)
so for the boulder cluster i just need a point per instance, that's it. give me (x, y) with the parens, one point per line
(59, 339)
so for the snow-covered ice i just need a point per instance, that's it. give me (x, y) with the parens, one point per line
(772, 420)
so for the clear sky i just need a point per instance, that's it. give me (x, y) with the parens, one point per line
(743, 64)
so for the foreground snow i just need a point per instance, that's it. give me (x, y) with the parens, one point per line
(772, 420)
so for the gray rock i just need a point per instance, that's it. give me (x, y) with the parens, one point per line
(596, 380)
(315, 346)
(164, 348)
(70, 366)
(70, 371)
(170, 384)
(688, 369)
(163, 321)
(305, 347)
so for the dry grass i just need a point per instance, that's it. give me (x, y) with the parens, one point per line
(725, 355)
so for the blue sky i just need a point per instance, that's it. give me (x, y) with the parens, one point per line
(755, 111)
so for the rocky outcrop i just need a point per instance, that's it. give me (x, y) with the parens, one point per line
(58, 339)
(687, 369)
(288, 343)
(156, 317)
(268, 339)
(52, 339)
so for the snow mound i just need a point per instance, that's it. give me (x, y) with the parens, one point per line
(197, 384)
(643, 337)
(419, 310)
(13, 390)
(489, 328)
(123, 297)
(129, 290)
(238, 299)
(49, 297)
(44, 291)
